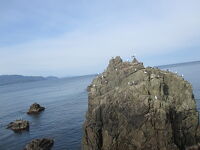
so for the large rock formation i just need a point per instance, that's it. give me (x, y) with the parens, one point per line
(40, 144)
(136, 108)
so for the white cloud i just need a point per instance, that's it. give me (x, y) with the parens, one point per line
(90, 46)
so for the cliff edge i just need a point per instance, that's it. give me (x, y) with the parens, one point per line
(136, 108)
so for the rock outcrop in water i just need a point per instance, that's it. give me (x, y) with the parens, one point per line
(18, 125)
(35, 108)
(136, 108)
(40, 144)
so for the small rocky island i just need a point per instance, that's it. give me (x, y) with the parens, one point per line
(40, 144)
(136, 108)
(35, 109)
(18, 125)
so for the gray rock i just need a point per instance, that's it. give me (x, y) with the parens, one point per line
(157, 113)
(35, 108)
(135, 60)
(40, 144)
(18, 125)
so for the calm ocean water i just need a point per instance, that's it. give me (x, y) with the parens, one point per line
(66, 103)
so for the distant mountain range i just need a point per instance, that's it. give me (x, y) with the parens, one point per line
(11, 79)
(178, 64)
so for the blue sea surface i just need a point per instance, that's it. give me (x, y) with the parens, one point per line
(66, 103)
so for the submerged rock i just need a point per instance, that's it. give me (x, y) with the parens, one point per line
(35, 108)
(18, 125)
(140, 108)
(40, 144)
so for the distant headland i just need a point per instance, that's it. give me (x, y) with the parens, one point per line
(12, 79)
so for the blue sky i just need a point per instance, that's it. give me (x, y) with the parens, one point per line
(77, 37)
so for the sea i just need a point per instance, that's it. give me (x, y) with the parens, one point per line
(66, 103)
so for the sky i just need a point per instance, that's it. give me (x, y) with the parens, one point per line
(78, 37)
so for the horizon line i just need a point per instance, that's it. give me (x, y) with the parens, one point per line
(159, 66)
(178, 64)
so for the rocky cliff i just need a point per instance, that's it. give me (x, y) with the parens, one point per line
(136, 108)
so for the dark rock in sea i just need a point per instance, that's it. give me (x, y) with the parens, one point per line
(35, 108)
(136, 108)
(18, 125)
(40, 144)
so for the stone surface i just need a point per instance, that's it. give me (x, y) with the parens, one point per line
(136, 108)
(18, 125)
(40, 144)
(35, 108)
(195, 147)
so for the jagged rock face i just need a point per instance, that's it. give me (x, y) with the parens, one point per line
(40, 144)
(136, 108)
(35, 108)
(18, 125)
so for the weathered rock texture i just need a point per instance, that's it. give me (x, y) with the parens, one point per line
(35, 108)
(40, 144)
(195, 147)
(136, 108)
(18, 125)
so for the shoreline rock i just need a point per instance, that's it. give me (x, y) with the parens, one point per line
(136, 108)
(40, 144)
(18, 125)
(35, 109)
